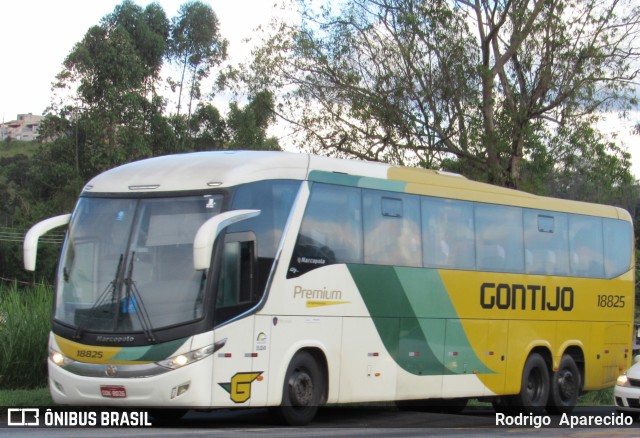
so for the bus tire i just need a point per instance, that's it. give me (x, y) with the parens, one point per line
(565, 387)
(534, 389)
(302, 392)
(504, 405)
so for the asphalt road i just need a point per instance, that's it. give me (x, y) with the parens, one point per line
(345, 421)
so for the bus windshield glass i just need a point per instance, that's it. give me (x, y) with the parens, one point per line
(127, 264)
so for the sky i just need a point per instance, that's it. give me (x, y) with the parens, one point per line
(37, 35)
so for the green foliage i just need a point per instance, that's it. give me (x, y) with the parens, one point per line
(208, 128)
(247, 126)
(486, 88)
(196, 45)
(604, 397)
(12, 147)
(25, 398)
(588, 167)
(25, 322)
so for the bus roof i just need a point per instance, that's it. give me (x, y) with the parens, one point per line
(207, 170)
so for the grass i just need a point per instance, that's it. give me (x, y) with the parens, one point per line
(16, 147)
(25, 322)
(25, 397)
(604, 397)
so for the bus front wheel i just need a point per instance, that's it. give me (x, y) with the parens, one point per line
(565, 387)
(302, 391)
(534, 389)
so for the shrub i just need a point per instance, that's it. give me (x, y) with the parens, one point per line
(25, 322)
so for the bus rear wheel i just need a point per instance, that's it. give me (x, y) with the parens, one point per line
(302, 391)
(565, 387)
(534, 389)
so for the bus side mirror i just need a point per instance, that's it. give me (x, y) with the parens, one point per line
(209, 231)
(30, 244)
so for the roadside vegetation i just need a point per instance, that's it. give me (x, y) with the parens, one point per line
(25, 321)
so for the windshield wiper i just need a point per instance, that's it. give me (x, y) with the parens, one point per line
(113, 287)
(133, 303)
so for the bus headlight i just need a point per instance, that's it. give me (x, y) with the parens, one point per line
(186, 358)
(58, 358)
(622, 380)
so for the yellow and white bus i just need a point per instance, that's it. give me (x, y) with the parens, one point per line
(251, 279)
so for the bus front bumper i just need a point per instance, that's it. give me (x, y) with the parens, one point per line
(188, 387)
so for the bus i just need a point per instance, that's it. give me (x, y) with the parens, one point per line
(236, 279)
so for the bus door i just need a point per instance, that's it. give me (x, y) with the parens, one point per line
(233, 372)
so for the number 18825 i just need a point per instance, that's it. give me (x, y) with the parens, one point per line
(614, 301)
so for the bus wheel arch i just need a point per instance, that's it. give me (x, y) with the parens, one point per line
(304, 387)
(566, 382)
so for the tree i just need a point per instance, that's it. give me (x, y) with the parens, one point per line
(196, 44)
(248, 126)
(244, 127)
(116, 67)
(475, 85)
(589, 167)
(209, 128)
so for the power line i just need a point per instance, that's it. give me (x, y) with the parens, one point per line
(28, 283)
(16, 235)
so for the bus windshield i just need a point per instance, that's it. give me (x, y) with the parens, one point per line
(127, 264)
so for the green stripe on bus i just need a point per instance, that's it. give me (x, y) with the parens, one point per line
(364, 182)
(413, 315)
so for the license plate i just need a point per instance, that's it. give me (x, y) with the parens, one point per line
(113, 391)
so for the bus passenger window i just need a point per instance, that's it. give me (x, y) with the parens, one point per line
(392, 233)
(448, 237)
(331, 230)
(618, 241)
(546, 242)
(499, 238)
(586, 246)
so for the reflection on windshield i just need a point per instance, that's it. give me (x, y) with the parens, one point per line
(128, 264)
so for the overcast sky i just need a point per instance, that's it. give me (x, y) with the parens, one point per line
(36, 36)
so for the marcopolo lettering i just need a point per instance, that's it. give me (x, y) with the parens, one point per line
(525, 297)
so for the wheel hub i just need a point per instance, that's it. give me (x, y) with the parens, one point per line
(300, 389)
(566, 385)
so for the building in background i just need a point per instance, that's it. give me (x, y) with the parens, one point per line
(24, 128)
